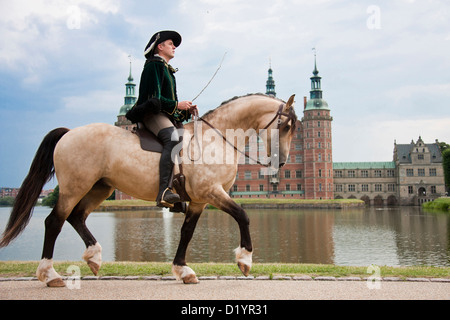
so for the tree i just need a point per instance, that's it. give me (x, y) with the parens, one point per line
(7, 201)
(443, 146)
(52, 198)
(446, 165)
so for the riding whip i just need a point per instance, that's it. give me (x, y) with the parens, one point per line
(223, 58)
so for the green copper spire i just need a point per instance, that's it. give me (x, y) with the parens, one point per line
(316, 101)
(130, 94)
(270, 83)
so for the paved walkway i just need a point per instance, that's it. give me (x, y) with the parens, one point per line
(138, 289)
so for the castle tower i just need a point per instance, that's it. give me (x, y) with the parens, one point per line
(270, 83)
(122, 122)
(129, 101)
(317, 143)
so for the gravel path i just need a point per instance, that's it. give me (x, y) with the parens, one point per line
(217, 289)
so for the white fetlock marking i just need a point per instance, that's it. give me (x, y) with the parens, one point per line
(93, 254)
(243, 256)
(181, 272)
(45, 272)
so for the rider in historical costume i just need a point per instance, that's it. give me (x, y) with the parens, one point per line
(158, 84)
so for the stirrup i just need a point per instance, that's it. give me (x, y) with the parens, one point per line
(170, 202)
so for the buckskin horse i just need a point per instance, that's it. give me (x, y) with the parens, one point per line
(93, 160)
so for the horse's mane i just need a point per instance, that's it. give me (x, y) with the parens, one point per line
(240, 97)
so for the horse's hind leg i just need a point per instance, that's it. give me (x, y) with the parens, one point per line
(93, 254)
(53, 224)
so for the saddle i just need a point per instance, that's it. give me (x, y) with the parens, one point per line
(150, 142)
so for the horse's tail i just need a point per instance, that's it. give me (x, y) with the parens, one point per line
(41, 171)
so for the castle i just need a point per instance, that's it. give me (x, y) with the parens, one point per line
(414, 176)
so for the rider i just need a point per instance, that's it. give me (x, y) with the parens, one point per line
(158, 81)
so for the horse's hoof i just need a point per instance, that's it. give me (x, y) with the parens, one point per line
(245, 269)
(56, 283)
(244, 260)
(190, 279)
(185, 273)
(94, 267)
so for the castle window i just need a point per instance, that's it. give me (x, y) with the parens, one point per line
(421, 172)
(287, 174)
(433, 172)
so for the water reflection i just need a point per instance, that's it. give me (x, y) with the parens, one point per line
(399, 236)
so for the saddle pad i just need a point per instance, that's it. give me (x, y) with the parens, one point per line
(149, 142)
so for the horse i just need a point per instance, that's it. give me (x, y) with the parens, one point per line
(91, 161)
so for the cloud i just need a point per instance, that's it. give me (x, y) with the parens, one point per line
(96, 101)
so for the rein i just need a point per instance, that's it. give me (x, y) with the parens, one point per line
(277, 115)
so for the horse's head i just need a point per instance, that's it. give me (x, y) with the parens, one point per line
(280, 134)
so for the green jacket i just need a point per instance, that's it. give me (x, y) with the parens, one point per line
(158, 81)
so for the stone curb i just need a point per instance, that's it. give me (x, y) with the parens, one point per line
(275, 278)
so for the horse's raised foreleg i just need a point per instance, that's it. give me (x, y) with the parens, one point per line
(93, 253)
(244, 252)
(179, 267)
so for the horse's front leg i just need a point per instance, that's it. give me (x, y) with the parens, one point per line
(244, 252)
(179, 267)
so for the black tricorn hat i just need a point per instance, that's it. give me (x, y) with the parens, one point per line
(160, 37)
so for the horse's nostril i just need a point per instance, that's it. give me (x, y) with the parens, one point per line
(281, 164)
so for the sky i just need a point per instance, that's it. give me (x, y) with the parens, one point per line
(384, 65)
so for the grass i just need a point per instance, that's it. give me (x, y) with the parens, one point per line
(440, 204)
(142, 203)
(125, 203)
(28, 269)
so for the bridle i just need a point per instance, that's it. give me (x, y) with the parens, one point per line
(290, 116)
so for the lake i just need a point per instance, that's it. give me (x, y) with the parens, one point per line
(401, 236)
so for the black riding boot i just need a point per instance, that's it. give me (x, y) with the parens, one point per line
(165, 196)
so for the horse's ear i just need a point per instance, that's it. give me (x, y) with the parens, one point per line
(290, 103)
